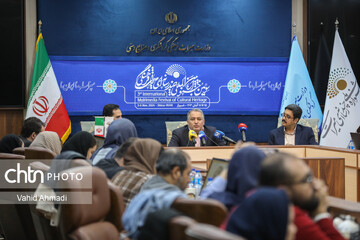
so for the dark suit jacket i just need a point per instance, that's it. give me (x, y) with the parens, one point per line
(303, 136)
(180, 137)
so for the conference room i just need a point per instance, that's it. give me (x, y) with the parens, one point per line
(113, 87)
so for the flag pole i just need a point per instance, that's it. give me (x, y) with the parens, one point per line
(293, 29)
(39, 25)
(336, 24)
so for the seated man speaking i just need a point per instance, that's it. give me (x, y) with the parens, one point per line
(196, 122)
(292, 133)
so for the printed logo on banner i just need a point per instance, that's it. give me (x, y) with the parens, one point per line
(176, 90)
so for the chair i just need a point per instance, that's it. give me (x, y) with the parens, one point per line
(201, 231)
(39, 153)
(204, 211)
(178, 225)
(85, 221)
(338, 206)
(171, 126)
(117, 206)
(310, 122)
(11, 156)
(19, 150)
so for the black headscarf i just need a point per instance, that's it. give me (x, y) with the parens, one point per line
(9, 142)
(262, 216)
(243, 173)
(80, 142)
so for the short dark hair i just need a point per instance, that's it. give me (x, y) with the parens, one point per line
(124, 147)
(273, 171)
(30, 125)
(171, 158)
(109, 108)
(195, 110)
(296, 110)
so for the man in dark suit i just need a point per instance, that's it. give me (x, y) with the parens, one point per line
(196, 122)
(291, 133)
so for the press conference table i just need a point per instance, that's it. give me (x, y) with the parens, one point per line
(338, 167)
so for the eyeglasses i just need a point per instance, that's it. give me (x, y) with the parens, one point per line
(286, 116)
(308, 178)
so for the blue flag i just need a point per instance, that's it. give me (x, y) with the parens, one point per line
(299, 89)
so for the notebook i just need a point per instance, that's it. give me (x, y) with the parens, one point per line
(215, 168)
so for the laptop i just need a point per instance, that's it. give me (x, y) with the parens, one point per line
(215, 168)
(356, 140)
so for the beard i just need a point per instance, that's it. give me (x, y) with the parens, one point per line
(307, 205)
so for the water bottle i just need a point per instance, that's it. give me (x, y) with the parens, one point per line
(192, 178)
(209, 181)
(198, 183)
(351, 145)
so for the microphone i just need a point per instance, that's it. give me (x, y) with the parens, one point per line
(202, 137)
(242, 128)
(192, 136)
(220, 135)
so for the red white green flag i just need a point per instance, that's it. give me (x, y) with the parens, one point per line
(45, 101)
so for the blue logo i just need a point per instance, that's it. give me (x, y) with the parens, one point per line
(109, 86)
(234, 86)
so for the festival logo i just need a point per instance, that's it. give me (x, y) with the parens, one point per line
(337, 81)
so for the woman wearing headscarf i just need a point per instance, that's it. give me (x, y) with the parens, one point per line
(81, 142)
(49, 140)
(139, 165)
(243, 173)
(9, 142)
(267, 214)
(118, 132)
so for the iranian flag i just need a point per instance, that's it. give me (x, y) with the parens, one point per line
(45, 101)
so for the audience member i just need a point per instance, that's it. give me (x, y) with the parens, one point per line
(196, 122)
(159, 192)
(308, 194)
(112, 110)
(267, 214)
(139, 166)
(118, 132)
(81, 142)
(49, 140)
(292, 133)
(9, 142)
(112, 166)
(173, 168)
(32, 126)
(243, 173)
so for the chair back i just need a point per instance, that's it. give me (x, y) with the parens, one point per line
(338, 206)
(117, 207)
(200, 231)
(171, 126)
(204, 211)
(39, 153)
(19, 150)
(86, 220)
(178, 225)
(11, 156)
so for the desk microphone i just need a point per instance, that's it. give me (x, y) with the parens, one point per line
(220, 135)
(242, 129)
(202, 137)
(192, 136)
